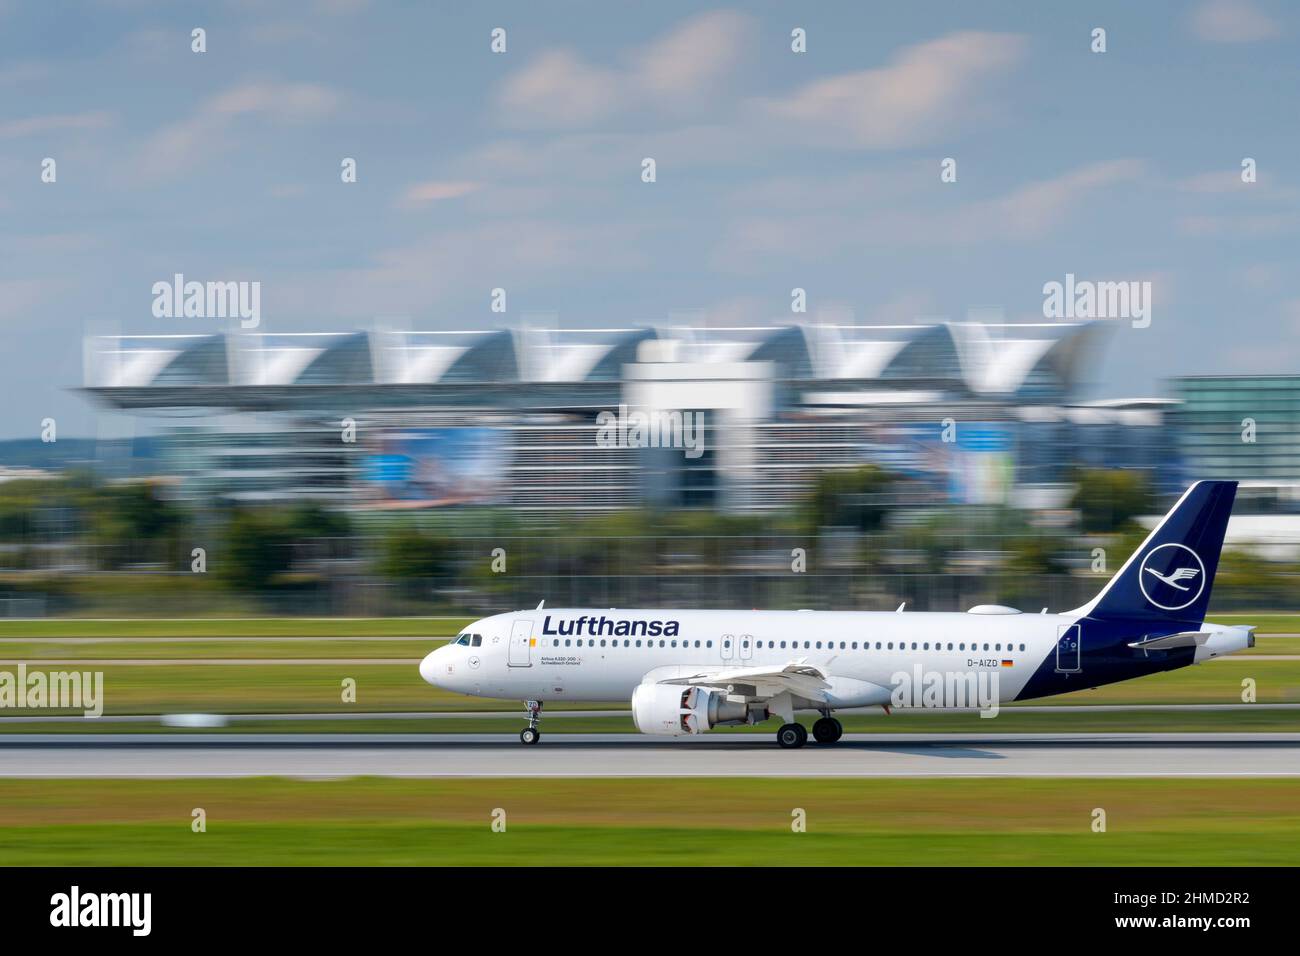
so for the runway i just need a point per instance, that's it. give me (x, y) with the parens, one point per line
(632, 755)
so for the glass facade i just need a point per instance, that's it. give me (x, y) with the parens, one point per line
(1239, 427)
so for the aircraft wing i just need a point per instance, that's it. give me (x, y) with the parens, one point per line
(763, 681)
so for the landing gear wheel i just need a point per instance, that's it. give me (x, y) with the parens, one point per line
(791, 736)
(827, 730)
(530, 734)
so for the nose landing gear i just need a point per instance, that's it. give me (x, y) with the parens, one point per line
(530, 734)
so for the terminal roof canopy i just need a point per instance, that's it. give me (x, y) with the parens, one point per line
(1035, 362)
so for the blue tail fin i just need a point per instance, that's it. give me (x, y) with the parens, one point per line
(1169, 577)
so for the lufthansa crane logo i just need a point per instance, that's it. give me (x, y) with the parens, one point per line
(1172, 576)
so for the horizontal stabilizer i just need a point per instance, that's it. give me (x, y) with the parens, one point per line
(1170, 641)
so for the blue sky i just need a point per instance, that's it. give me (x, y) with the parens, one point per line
(522, 170)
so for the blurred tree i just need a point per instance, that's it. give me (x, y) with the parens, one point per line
(1246, 579)
(19, 501)
(409, 554)
(1030, 555)
(309, 520)
(854, 498)
(1028, 558)
(257, 546)
(131, 523)
(1108, 499)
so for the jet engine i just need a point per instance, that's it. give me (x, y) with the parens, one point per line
(672, 710)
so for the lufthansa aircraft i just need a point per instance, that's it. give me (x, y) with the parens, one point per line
(686, 672)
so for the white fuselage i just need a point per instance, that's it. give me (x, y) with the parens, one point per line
(591, 655)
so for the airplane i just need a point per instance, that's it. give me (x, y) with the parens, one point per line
(686, 671)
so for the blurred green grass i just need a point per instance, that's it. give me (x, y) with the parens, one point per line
(275, 687)
(269, 648)
(317, 688)
(237, 627)
(698, 821)
(1009, 720)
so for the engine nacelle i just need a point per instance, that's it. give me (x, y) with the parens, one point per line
(671, 710)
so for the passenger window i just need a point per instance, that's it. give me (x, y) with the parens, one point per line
(638, 643)
(708, 643)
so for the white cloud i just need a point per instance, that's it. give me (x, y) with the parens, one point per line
(1255, 226)
(1036, 208)
(436, 189)
(1232, 21)
(751, 243)
(696, 57)
(290, 102)
(413, 277)
(922, 94)
(97, 119)
(19, 297)
(560, 90)
(189, 141)
(1215, 181)
(1221, 182)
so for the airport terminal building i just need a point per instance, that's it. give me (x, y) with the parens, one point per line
(976, 412)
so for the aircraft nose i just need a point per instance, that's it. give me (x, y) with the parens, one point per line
(428, 667)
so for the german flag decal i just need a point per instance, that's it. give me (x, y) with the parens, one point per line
(1008, 664)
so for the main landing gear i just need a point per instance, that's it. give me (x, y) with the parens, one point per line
(530, 734)
(827, 730)
(791, 736)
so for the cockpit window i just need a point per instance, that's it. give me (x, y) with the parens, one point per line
(469, 640)
(463, 640)
(476, 640)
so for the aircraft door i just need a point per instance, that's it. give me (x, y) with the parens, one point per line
(521, 644)
(1069, 644)
(727, 646)
(746, 647)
